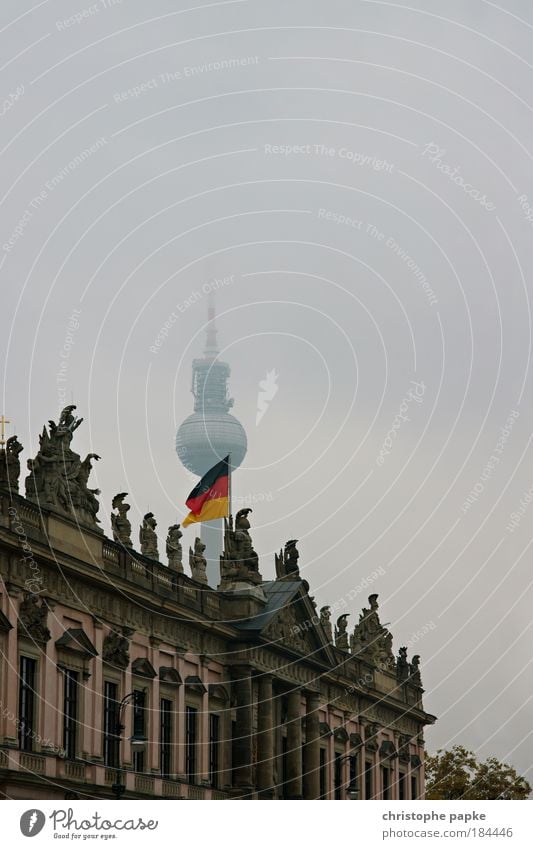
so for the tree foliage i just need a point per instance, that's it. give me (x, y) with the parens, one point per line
(457, 774)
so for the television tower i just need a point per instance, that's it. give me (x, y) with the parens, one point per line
(210, 433)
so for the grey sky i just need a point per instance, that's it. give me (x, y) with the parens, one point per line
(187, 179)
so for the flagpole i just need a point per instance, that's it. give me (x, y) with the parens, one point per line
(229, 482)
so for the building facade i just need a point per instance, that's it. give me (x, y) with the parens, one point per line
(121, 675)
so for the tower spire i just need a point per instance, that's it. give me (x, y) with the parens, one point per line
(211, 346)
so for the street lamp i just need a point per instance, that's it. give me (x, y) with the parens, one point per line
(352, 791)
(137, 743)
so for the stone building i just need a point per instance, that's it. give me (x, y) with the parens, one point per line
(123, 676)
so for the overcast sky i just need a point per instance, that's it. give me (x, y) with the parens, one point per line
(359, 177)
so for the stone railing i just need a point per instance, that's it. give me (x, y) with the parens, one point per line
(219, 794)
(74, 770)
(144, 783)
(196, 792)
(32, 763)
(109, 775)
(171, 789)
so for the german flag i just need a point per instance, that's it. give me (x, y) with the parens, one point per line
(210, 497)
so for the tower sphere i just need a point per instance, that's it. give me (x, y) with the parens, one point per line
(204, 439)
(211, 432)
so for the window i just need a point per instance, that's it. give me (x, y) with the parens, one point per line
(401, 786)
(369, 788)
(27, 694)
(414, 787)
(165, 717)
(284, 772)
(385, 782)
(338, 776)
(214, 747)
(70, 712)
(111, 740)
(191, 740)
(352, 761)
(322, 773)
(139, 726)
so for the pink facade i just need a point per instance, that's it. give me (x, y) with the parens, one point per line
(226, 714)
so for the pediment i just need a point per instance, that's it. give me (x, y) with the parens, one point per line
(169, 675)
(217, 691)
(294, 624)
(341, 735)
(5, 624)
(76, 640)
(142, 666)
(195, 683)
(325, 730)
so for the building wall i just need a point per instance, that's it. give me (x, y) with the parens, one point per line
(226, 677)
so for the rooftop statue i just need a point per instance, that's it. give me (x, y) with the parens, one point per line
(174, 549)
(10, 464)
(287, 561)
(341, 633)
(120, 524)
(58, 478)
(371, 638)
(325, 621)
(402, 666)
(148, 537)
(239, 562)
(197, 561)
(414, 671)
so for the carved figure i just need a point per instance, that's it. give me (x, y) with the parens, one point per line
(414, 671)
(10, 464)
(120, 524)
(239, 561)
(174, 549)
(371, 638)
(341, 633)
(402, 666)
(32, 618)
(148, 537)
(115, 650)
(325, 621)
(58, 479)
(197, 561)
(291, 556)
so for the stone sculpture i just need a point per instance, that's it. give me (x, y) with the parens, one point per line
(414, 671)
(10, 464)
(120, 524)
(341, 633)
(402, 666)
(197, 561)
(371, 638)
(325, 621)
(32, 619)
(239, 562)
(148, 537)
(174, 549)
(58, 479)
(115, 650)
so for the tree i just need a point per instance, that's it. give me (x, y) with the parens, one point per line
(457, 774)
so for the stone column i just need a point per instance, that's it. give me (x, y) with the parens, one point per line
(179, 728)
(242, 748)
(311, 776)
(10, 684)
(265, 739)
(294, 745)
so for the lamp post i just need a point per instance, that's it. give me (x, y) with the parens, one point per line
(352, 791)
(137, 742)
